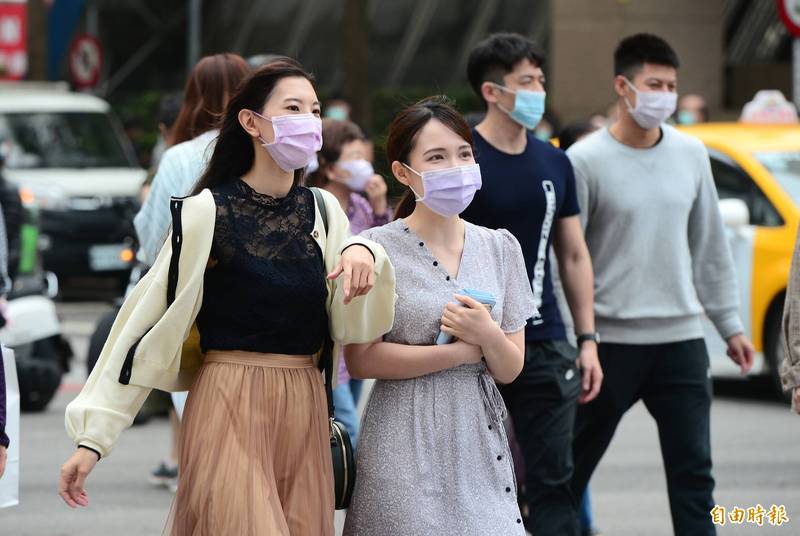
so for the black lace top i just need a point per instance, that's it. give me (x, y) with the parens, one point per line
(264, 290)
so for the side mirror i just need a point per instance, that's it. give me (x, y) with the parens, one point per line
(51, 285)
(735, 213)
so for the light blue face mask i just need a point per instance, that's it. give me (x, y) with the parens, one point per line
(528, 106)
(685, 117)
(339, 113)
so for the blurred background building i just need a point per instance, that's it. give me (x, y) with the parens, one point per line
(379, 54)
(372, 50)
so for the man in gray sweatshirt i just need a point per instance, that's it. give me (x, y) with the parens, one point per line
(661, 260)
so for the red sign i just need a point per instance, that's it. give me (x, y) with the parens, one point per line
(13, 41)
(85, 61)
(790, 15)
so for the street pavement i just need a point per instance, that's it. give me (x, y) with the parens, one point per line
(756, 447)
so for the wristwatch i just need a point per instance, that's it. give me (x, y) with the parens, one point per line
(584, 337)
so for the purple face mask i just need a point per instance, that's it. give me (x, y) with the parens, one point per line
(448, 192)
(360, 172)
(298, 137)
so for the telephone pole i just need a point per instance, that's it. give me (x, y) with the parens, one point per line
(37, 40)
(356, 58)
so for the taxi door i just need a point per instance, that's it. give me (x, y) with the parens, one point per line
(737, 192)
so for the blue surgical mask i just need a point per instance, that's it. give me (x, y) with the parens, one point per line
(339, 113)
(528, 106)
(685, 117)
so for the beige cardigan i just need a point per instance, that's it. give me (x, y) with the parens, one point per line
(790, 369)
(143, 350)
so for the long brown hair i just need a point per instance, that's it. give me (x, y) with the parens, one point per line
(233, 153)
(403, 136)
(211, 83)
(336, 133)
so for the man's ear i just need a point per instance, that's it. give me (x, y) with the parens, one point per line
(620, 86)
(248, 122)
(400, 172)
(489, 92)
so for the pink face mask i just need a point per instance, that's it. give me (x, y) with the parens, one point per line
(448, 192)
(298, 137)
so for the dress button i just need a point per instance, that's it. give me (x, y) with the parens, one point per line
(315, 234)
(490, 427)
(499, 458)
(508, 490)
(435, 263)
(448, 279)
(421, 244)
(519, 520)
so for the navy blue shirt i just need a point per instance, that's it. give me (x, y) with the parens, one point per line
(526, 193)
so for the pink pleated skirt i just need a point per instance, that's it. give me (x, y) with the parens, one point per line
(255, 454)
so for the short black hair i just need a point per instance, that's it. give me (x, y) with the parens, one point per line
(636, 50)
(496, 56)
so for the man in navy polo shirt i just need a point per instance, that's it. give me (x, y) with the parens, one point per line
(529, 189)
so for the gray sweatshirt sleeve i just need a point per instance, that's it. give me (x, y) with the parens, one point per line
(581, 187)
(712, 263)
(790, 369)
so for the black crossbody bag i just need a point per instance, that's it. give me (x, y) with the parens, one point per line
(344, 462)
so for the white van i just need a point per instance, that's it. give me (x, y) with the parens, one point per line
(72, 161)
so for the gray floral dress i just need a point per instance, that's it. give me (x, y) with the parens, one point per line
(433, 457)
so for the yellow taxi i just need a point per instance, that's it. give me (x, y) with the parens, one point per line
(756, 168)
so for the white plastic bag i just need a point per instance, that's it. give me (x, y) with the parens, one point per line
(9, 482)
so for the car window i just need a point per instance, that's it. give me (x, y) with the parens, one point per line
(785, 167)
(62, 140)
(733, 182)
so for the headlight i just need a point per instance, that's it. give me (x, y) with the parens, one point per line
(44, 197)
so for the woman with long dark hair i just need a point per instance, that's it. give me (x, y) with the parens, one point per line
(268, 275)
(435, 411)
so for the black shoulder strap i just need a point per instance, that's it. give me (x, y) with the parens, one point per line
(175, 206)
(326, 356)
(323, 210)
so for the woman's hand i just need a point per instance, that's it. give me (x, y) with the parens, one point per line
(73, 477)
(796, 395)
(470, 322)
(358, 266)
(376, 191)
(3, 459)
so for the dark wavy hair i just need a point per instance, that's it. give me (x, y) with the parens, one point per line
(403, 132)
(211, 83)
(233, 153)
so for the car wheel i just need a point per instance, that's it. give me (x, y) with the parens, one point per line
(39, 371)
